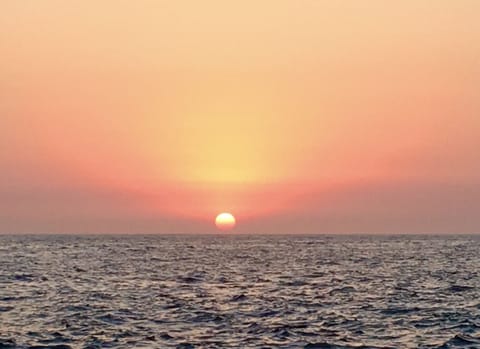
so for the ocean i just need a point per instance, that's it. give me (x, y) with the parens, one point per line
(231, 291)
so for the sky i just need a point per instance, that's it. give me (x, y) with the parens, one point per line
(306, 116)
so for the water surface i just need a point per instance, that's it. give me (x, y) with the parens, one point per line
(239, 292)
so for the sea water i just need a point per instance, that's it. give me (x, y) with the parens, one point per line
(239, 291)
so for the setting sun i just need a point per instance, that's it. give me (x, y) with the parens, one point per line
(225, 221)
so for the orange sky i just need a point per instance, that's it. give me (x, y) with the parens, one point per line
(296, 116)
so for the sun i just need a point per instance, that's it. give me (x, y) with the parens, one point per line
(225, 221)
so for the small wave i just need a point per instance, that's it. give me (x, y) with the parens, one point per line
(238, 298)
(24, 277)
(319, 346)
(344, 289)
(4, 309)
(111, 319)
(326, 345)
(189, 279)
(7, 343)
(166, 336)
(460, 340)
(400, 311)
(55, 346)
(460, 288)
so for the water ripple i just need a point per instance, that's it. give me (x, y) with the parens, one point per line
(239, 292)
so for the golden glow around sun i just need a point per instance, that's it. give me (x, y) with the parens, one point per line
(225, 221)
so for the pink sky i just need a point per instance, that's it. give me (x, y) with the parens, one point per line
(295, 116)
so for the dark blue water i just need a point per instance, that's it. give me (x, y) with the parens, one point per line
(239, 292)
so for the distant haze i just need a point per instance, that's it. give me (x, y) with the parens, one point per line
(295, 116)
